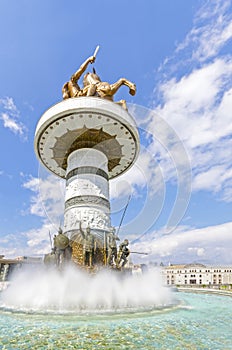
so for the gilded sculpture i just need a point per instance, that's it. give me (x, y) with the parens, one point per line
(93, 86)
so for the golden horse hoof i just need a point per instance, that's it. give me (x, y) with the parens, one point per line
(132, 90)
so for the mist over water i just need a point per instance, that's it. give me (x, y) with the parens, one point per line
(74, 291)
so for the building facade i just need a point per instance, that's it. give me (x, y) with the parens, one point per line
(197, 274)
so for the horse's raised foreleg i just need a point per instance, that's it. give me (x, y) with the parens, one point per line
(119, 83)
(130, 85)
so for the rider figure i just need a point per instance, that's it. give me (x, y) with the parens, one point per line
(71, 88)
(93, 86)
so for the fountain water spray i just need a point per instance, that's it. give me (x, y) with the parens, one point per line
(74, 291)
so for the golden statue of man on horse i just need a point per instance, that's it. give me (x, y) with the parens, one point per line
(92, 84)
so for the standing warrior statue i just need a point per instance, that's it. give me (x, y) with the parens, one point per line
(112, 248)
(93, 86)
(61, 242)
(88, 246)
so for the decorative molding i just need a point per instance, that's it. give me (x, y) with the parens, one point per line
(85, 200)
(87, 170)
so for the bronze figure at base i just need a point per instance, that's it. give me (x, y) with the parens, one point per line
(87, 254)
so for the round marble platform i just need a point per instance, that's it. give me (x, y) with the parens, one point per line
(86, 122)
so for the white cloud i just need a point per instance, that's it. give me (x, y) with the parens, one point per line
(212, 30)
(8, 105)
(194, 115)
(47, 202)
(48, 198)
(210, 244)
(10, 116)
(145, 175)
(38, 240)
(198, 104)
(197, 251)
(8, 122)
(198, 107)
(213, 179)
(29, 243)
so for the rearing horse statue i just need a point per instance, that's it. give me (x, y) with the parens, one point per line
(93, 86)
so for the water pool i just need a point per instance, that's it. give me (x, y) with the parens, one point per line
(200, 321)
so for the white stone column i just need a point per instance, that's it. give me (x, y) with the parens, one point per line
(87, 192)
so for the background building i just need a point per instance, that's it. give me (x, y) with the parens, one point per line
(197, 274)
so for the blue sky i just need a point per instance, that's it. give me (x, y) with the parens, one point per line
(179, 55)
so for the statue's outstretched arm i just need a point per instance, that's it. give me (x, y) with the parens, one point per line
(82, 68)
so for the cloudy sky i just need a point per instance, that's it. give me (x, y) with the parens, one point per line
(179, 54)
